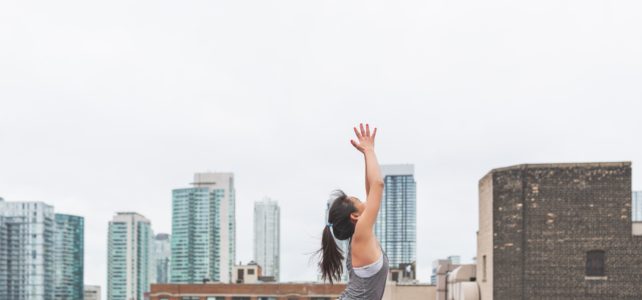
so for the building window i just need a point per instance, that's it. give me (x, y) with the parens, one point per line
(239, 276)
(250, 271)
(484, 268)
(595, 262)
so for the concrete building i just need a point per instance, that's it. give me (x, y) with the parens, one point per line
(558, 231)
(92, 292)
(129, 257)
(267, 237)
(249, 273)
(26, 251)
(162, 255)
(461, 284)
(280, 291)
(396, 226)
(69, 257)
(204, 229)
(444, 266)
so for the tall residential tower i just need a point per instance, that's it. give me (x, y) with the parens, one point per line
(396, 226)
(26, 250)
(69, 233)
(162, 254)
(129, 257)
(204, 229)
(267, 239)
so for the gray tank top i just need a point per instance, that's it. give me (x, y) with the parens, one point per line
(370, 288)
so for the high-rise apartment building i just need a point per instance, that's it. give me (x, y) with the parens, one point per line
(267, 239)
(396, 226)
(162, 255)
(129, 257)
(68, 257)
(204, 229)
(637, 206)
(92, 292)
(26, 251)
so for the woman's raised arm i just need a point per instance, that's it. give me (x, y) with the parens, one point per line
(374, 182)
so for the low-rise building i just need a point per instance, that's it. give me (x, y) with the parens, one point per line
(249, 273)
(280, 291)
(92, 292)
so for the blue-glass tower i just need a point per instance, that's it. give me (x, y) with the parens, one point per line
(130, 266)
(396, 226)
(204, 230)
(68, 257)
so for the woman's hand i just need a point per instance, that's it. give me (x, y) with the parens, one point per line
(366, 140)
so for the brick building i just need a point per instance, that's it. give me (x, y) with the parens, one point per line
(280, 291)
(259, 291)
(558, 231)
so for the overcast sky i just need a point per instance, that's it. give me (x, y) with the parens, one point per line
(108, 106)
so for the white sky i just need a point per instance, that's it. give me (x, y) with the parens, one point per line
(108, 106)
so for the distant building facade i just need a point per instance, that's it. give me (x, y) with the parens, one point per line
(129, 257)
(162, 255)
(637, 206)
(69, 257)
(267, 236)
(92, 292)
(444, 266)
(285, 291)
(204, 229)
(558, 231)
(249, 273)
(396, 226)
(26, 251)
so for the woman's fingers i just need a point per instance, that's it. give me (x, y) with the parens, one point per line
(374, 133)
(357, 132)
(367, 129)
(363, 132)
(355, 145)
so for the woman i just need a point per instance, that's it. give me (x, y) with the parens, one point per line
(350, 219)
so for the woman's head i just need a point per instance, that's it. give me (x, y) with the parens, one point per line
(343, 215)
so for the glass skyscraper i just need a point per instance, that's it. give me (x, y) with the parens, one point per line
(396, 226)
(204, 230)
(26, 251)
(162, 254)
(68, 257)
(129, 257)
(637, 206)
(267, 241)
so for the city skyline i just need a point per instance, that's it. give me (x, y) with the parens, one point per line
(108, 106)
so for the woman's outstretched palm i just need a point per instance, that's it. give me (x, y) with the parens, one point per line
(366, 140)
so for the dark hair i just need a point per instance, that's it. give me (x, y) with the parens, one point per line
(341, 225)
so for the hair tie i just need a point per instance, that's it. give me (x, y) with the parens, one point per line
(329, 225)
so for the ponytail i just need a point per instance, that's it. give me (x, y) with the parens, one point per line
(339, 226)
(331, 257)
